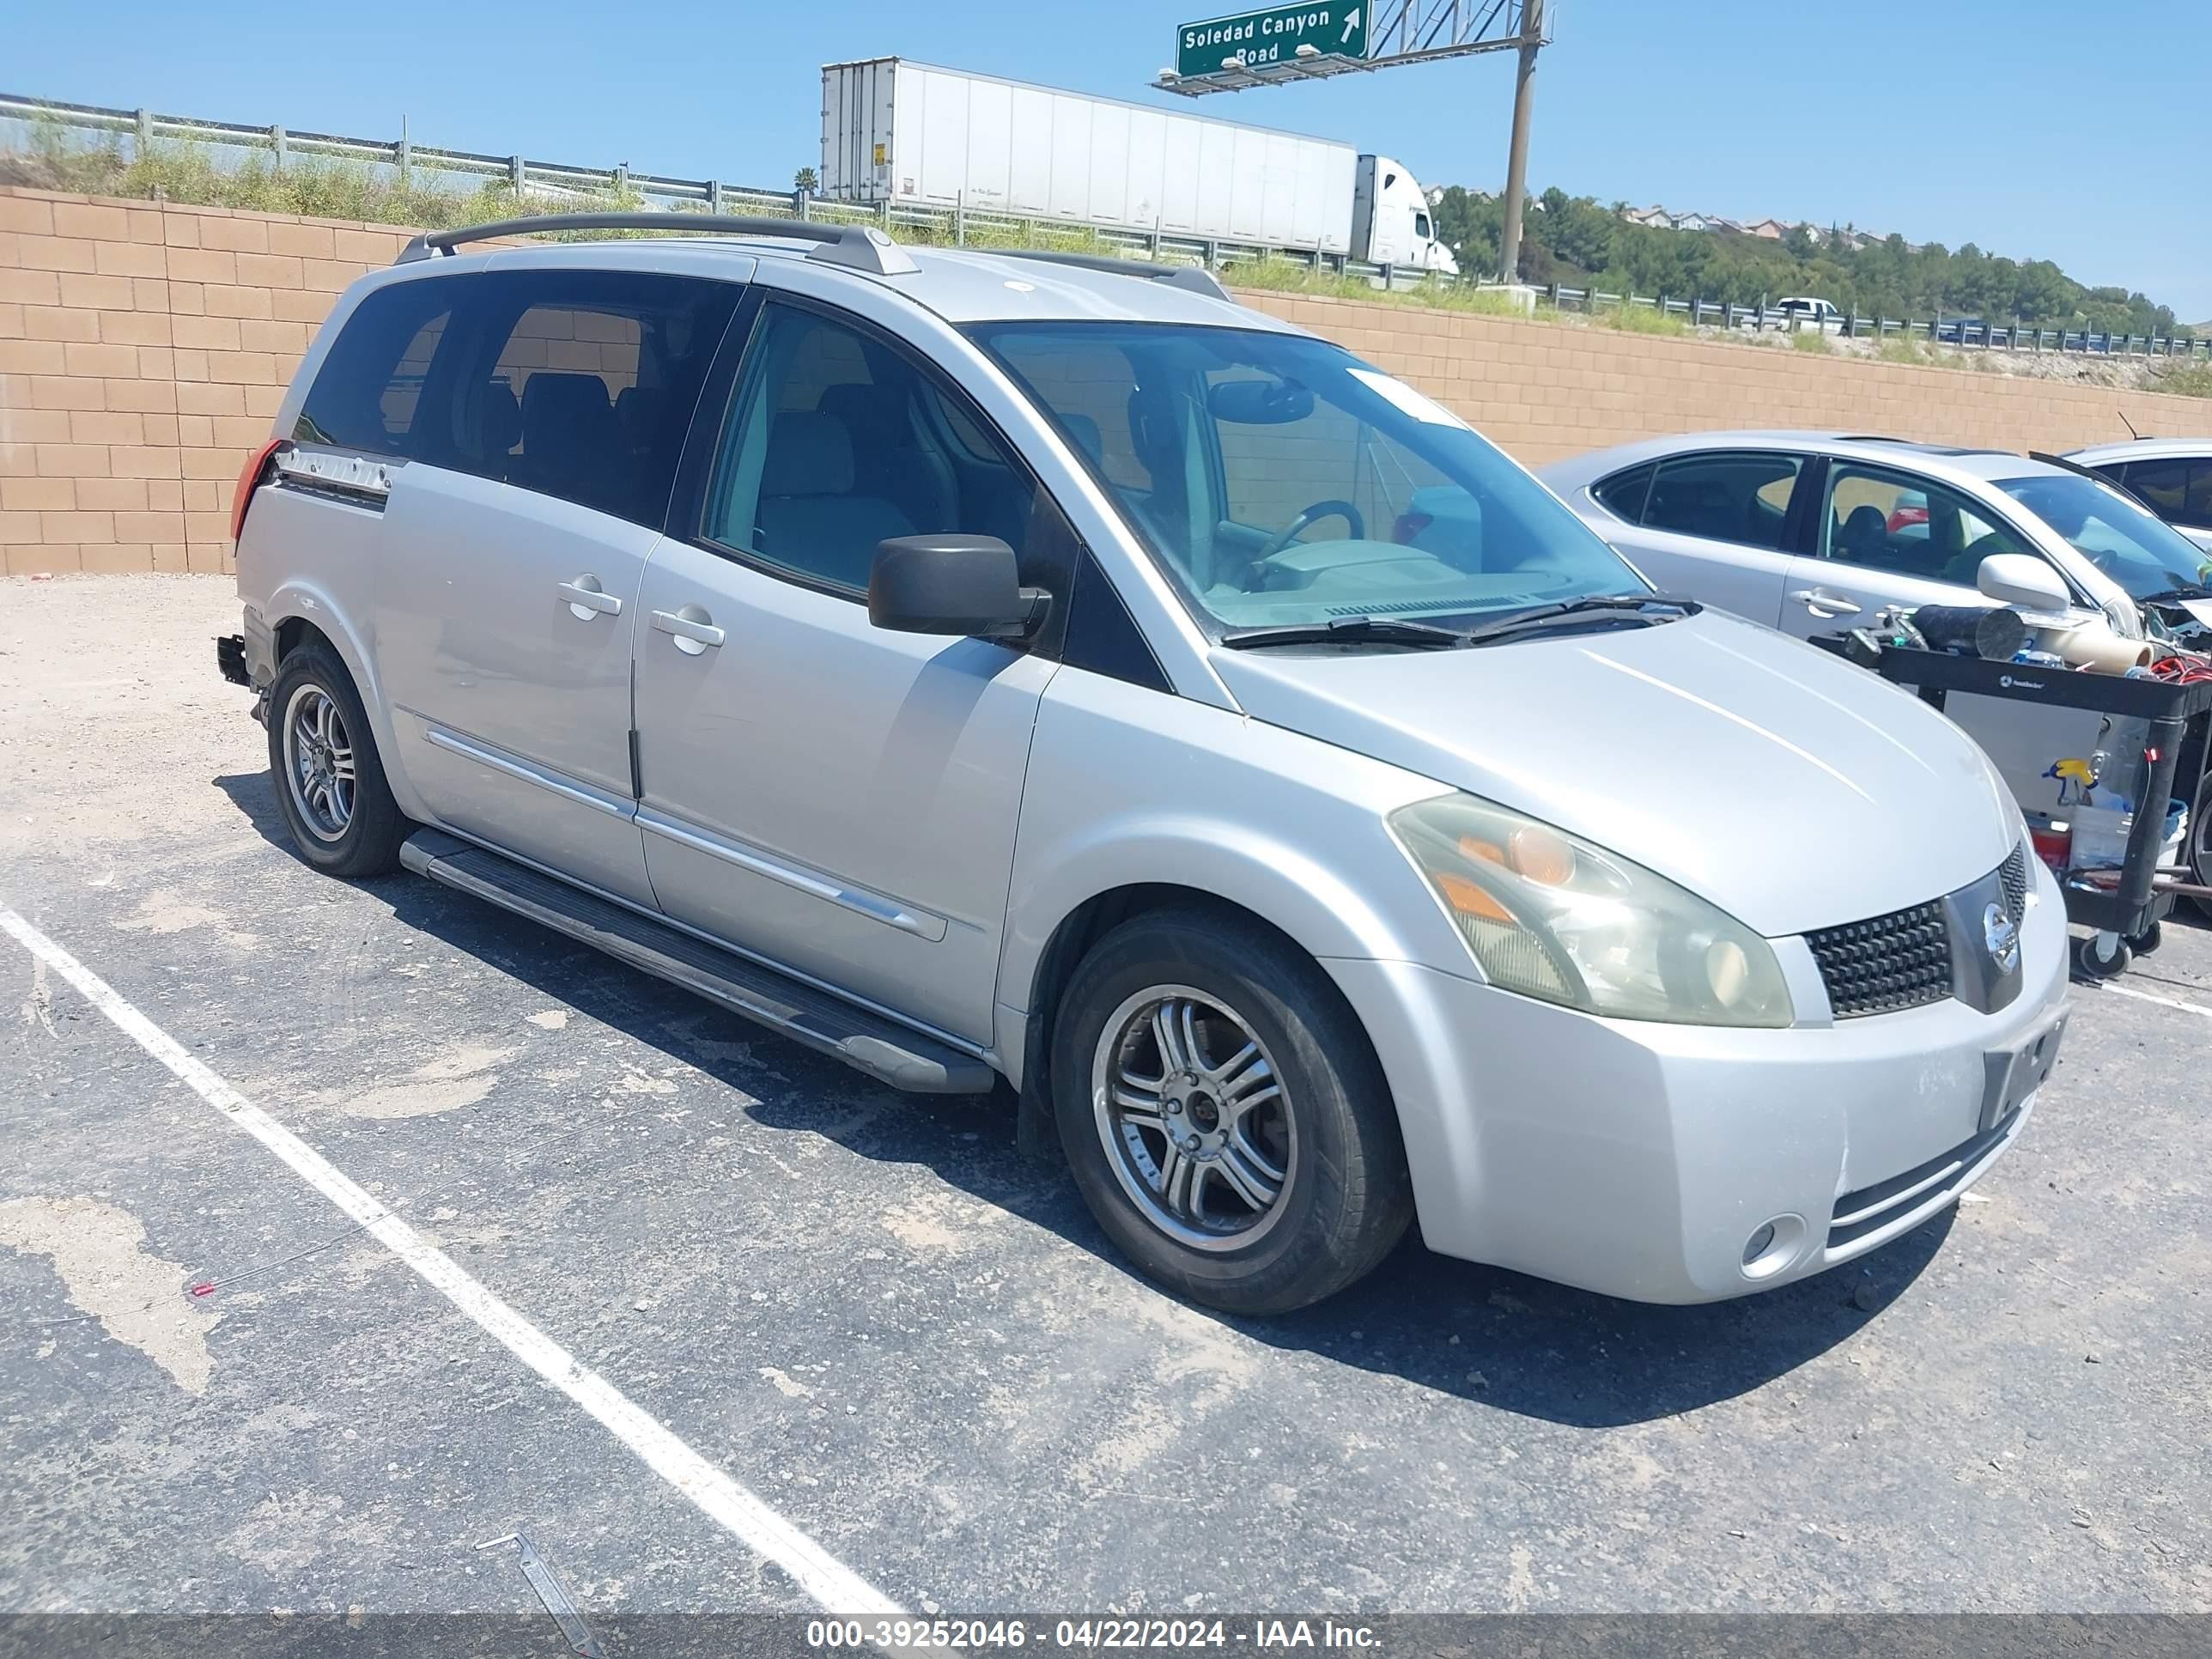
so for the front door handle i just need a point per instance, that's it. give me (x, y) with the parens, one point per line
(691, 628)
(586, 598)
(1821, 603)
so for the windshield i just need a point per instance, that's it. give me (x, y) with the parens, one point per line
(2143, 554)
(1283, 482)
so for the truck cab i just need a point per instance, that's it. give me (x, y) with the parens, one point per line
(1391, 224)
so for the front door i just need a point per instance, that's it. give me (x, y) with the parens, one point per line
(839, 800)
(1888, 537)
(514, 544)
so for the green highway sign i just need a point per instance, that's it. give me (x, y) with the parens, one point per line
(1333, 29)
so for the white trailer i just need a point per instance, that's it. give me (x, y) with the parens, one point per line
(897, 131)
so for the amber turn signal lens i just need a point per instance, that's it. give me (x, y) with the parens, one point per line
(1470, 900)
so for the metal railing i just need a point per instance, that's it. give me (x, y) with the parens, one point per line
(1971, 333)
(403, 162)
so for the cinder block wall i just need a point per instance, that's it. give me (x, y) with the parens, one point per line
(1545, 392)
(144, 348)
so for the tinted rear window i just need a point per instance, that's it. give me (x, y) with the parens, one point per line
(575, 384)
(1624, 492)
(370, 388)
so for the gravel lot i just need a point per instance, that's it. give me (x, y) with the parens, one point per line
(910, 1341)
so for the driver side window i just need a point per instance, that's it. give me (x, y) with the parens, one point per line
(1909, 526)
(838, 441)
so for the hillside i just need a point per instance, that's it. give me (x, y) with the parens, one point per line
(1574, 239)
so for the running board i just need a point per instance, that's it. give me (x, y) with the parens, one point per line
(869, 1042)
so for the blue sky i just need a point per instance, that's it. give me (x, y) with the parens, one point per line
(2034, 129)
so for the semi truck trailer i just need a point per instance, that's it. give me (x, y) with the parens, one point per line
(899, 132)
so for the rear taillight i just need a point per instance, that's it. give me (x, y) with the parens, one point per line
(248, 477)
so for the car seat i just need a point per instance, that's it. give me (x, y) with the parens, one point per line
(571, 445)
(1864, 537)
(810, 516)
(888, 463)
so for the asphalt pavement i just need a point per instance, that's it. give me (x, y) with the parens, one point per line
(899, 1338)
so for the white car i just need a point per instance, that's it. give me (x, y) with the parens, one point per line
(1803, 311)
(1812, 532)
(2172, 477)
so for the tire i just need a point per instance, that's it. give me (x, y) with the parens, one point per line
(348, 827)
(2147, 943)
(1301, 1099)
(2199, 858)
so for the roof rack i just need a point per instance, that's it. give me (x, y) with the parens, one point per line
(862, 247)
(1196, 278)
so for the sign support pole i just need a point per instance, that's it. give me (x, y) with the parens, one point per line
(1517, 158)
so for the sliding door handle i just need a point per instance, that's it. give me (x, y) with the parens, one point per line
(586, 598)
(691, 628)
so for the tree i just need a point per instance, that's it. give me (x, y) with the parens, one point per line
(805, 179)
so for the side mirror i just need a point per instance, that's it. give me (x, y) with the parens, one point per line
(2023, 581)
(956, 585)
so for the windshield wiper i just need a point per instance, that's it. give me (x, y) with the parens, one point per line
(1346, 630)
(2174, 595)
(1638, 608)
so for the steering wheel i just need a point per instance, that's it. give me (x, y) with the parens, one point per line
(1332, 509)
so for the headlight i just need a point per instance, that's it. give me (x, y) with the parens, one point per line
(1551, 915)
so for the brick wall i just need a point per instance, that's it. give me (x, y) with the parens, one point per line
(144, 348)
(1545, 391)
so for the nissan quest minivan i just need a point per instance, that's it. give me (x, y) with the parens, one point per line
(976, 666)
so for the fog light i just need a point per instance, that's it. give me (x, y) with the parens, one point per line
(1773, 1246)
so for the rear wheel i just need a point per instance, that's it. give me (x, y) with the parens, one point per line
(1224, 1115)
(329, 778)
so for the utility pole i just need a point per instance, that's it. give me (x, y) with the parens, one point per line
(1517, 161)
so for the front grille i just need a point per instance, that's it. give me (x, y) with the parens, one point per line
(1872, 1208)
(1902, 960)
(2013, 873)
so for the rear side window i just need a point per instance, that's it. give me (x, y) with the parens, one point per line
(1623, 494)
(369, 391)
(2178, 489)
(576, 384)
(1725, 498)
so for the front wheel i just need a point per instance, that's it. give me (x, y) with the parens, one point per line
(329, 778)
(1224, 1115)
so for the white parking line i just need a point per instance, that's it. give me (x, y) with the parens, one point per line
(2152, 996)
(837, 1587)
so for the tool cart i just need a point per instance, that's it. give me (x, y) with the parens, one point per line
(2124, 906)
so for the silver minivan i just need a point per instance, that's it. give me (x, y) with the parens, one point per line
(978, 667)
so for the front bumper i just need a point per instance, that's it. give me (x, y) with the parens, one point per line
(1638, 1159)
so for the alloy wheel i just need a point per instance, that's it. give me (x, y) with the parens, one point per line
(1194, 1117)
(318, 763)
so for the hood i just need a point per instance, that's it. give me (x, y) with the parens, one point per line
(1790, 787)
